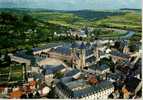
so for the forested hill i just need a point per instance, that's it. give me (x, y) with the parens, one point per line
(89, 14)
(129, 9)
(86, 14)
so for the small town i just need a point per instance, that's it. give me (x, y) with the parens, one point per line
(70, 49)
(86, 70)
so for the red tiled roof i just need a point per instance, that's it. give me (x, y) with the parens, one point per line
(16, 94)
(32, 83)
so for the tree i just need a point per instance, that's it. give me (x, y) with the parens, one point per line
(27, 18)
(7, 59)
(59, 75)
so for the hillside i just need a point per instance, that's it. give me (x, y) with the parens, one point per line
(122, 19)
(92, 15)
(128, 21)
(73, 19)
(63, 19)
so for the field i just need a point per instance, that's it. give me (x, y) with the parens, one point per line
(62, 19)
(128, 21)
(11, 73)
(78, 19)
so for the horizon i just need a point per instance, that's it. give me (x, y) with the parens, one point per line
(70, 10)
(68, 5)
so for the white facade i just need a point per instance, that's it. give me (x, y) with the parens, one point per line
(102, 71)
(49, 79)
(35, 69)
(100, 95)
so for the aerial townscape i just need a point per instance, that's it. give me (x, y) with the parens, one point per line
(70, 54)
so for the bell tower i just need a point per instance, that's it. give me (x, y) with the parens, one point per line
(82, 55)
(96, 50)
(125, 49)
(73, 53)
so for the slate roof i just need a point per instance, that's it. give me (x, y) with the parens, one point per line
(72, 72)
(123, 43)
(32, 58)
(99, 67)
(52, 70)
(63, 50)
(73, 45)
(36, 49)
(131, 83)
(75, 84)
(89, 52)
(120, 54)
(114, 76)
(94, 45)
(91, 59)
(88, 45)
(85, 91)
(82, 46)
(93, 67)
(58, 68)
(102, 67)
(67, 79)
(47, 71)
(38, 76)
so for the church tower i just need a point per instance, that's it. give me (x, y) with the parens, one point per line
(73, 54)
(82, 55)
(125, 49)
(96, 50)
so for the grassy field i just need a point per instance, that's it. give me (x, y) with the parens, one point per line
(63, 19)
(128, 21)
(16, 73)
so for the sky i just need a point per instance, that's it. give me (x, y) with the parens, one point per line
(71, 4)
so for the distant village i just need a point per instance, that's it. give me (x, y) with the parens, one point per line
(77, 70)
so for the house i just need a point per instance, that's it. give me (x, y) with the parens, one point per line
(24, 57)
(133, 85)
(99, 69)
(102, 69)
(44, 91)
(118, 56)
(45, 48)
(16, 94)
(50, 71)
(113, 77)
(82, 34)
